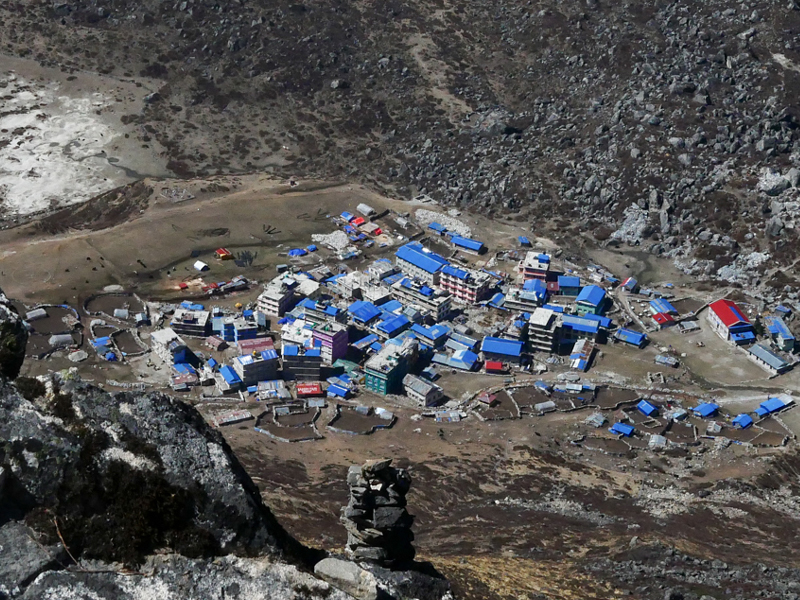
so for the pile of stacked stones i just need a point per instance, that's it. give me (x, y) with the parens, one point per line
(378, 525)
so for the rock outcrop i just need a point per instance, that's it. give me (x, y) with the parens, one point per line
(13, 338)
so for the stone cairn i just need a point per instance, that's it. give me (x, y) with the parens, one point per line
(377, 522)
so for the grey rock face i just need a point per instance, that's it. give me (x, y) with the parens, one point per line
(13, 338)
(180, 578)
(129, 474)
(22, 557)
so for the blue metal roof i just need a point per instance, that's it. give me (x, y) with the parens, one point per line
(743, 420)
(426, 260)
(365, 341)
(659, 305)
(393, 325)
(537, 286)
(581, 324)
(622, 429)
(554, 308)
(605, 322)
(461, 359)
(497, 300)
(772, 405)
(391, 306)
(229, 375)
(776, 326)
(363, 311)
(437, 227)
(646, 408)
(435, 332)
(455, 272)
(569, 281)
(523, 241)
(463, 242)
(631, 337)
(391, 279)
(337, 390)
(742, 336)
(592, 295)
(706, 409)
(211, 363)
(348, 216)
(503, 346)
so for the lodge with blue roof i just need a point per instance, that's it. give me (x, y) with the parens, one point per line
(417, 261)
(591, 300)
(502, 350)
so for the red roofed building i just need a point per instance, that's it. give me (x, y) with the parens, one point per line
(223, 254)
(730, 323)
(494, 366)
(663, 320)
(308, 389)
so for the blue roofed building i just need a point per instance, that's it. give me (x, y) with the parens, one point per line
(419, 262)
(662, 306)
(591, 300)
(569, 285)
(576, 328)
(462, 359)
(742, 421)
(392, 326)
(773, 405)
(301, 363)
(648, 409)
(622, 429)
(434, 336)
(779, 333)
(535, 265)
(501, 349)
(467, 245)
(631, 285)
(227, 380)
(530, 296)
(629, 336)
(524, 241)
(363, 313)
(706, 410)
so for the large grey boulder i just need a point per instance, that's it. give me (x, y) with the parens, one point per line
(129, 474)
(23, 557)
(348, 577)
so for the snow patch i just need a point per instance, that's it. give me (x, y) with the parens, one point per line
(51, 147)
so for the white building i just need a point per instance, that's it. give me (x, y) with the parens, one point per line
(276, 300)
(259, 366)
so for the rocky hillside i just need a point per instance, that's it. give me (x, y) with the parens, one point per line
(662, 124)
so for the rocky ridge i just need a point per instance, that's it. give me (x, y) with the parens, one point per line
(655, 134)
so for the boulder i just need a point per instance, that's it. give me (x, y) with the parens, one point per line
(348, 577)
